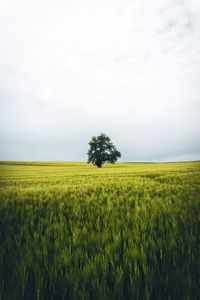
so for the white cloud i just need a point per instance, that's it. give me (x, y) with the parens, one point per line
(70, 69)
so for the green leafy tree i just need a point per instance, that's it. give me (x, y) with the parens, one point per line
(102, 150)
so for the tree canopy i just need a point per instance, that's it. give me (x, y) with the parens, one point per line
(102, 150)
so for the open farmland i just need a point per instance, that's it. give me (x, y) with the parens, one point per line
(73, 231)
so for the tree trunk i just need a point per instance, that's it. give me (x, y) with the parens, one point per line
(98, 164)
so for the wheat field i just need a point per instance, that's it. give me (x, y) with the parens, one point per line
(73, 231)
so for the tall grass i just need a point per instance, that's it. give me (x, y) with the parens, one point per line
(123, 232)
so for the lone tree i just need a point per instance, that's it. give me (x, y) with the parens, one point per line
(102, 150)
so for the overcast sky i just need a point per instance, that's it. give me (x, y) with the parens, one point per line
(70, 69)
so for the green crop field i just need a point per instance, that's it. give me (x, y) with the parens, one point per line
(73, 231)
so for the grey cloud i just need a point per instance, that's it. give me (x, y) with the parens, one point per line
(72, 69)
